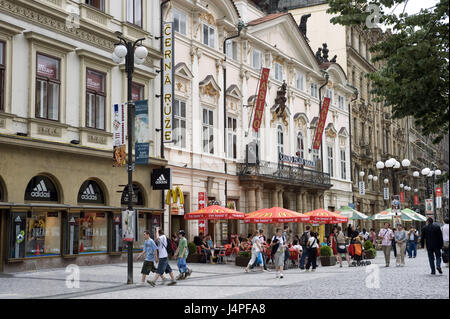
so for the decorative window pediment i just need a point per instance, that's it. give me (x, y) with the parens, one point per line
(209, 86)
(330, 131)
(314, 122)
(343, 132)
(301, 120)
(234, 92)
(182, 70)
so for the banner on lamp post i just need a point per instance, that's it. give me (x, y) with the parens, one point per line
(202, 223)
(438, 197)
(168, 81)
(119, 150)
(362, 188)
(429, 207)
(416, 200)
(129, 224)
(402, 197)
(141, 132)
(321, 125)
(386, 193)
(261, 99)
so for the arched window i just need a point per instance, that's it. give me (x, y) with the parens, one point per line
(280, 139)
(41, 188)
(91, 193)
(300, 145)
(138, 196)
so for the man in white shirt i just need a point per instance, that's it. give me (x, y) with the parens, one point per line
(162, 257)
(445, 236)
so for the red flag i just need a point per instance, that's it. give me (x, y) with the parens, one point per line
(261, 99)
(321, 125)
(416, 199)
(402, 197)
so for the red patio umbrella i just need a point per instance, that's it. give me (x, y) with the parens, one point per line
(273, 215)
(214, 212)
(322, 216)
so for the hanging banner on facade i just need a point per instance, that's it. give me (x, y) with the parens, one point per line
(429, 207)
(416, 200)
(446, 190)
(119, 151)
(161, 179)
(321, 125)
(129, 225)
(261, 99)
(141, 133)
(386, 193)
(202, 223)
(438, 197)
(168, 84)
(362, 188)
(402, 197)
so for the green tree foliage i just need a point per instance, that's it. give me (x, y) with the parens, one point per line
(414, 77)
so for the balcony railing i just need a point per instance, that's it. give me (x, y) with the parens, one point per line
(283, 172)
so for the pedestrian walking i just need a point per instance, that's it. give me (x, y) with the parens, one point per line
(445, 239)
(162, 257)
(432, 236)
(365, 235)
(304, 242)
(313, 244)
(386, 235)
(182, 253)
(400, 242)
(412, 238)
(256, 253)
(278, 247)
(394, 246)
(262, 241)
(149, 252)
(287, 240)
(373, 237)
(333, 242)
(341, 246)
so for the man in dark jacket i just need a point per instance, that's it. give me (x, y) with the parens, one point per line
(432, 235)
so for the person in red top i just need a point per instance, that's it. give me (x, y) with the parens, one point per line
(333, 240)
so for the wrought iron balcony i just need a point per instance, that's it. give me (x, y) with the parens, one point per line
(286, 173)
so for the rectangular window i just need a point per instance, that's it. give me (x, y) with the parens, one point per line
(179, 124)
(341, 102)
(47, 87)
(43, 236)
(343, 165)
(278, 72)
(314, 91)
(330, 161)
(329, 94)
(299, 81)
(257, 59)
(99, 4)
(232, 49)
(137, 92)
(208, 36)
(208, 131)
(95, 99)
(86, 233)
(2, 76)
(316, 157)
(134, 12)
(232, 137)
(179, 22)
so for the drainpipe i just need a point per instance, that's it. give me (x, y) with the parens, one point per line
(327, 77)
(350, 133)
(241, 25)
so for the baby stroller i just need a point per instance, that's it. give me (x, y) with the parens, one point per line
(358, 255)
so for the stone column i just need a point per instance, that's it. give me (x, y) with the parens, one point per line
(299, 197)
(259, 200)
(274, 201)
(251, 197)
(280, 197)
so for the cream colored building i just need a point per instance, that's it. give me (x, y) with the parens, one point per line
(57, 183)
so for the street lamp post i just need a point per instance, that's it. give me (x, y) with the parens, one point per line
(130, 53)
(393, 164)
(431, 174)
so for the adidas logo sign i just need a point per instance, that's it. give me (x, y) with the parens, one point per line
(89, 193)
(161, 180)
(40, 191)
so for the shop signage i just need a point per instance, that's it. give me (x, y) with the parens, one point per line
(162, 179)
(141, 133)
(438, 197)
(129, 223)
(429, 207)
(261, 99)
(386, 193)
(168, 78)
(90, 192)
(362, 188)
(137, 198)
(175, 200)
(202, 223)
(402, 197)
(119, 155)
(438, 192)
(416, 200)
(47, 67)
(41, 188)
(296, 160)
(321, 125)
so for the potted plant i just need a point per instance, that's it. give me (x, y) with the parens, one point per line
(193, 256)
(243, 258)
(326, 256)
(369, 250)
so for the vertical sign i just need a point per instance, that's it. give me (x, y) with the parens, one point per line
(446, 190)
(168, 85)
(202, 223)
(362, 188)
(416, 200)
(141, 132)
(119, 151)
(402, 197)
(128, 225)
(321, 125)
(261, 99)
(438, 197)
(386, 193)
(429, 207)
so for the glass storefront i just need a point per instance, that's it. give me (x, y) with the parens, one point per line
(117, 244)
(93, 233)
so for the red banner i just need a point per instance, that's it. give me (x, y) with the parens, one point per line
(438, 192)
(321, 125)
(416, 200)
(402, 197)
(261, 99)
(202, 223)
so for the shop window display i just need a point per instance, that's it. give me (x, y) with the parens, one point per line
(117, 244)
(93, 233)
(17, 236)
(43, 234)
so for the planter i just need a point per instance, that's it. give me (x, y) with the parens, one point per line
(369, 254)
(195, 258)
(242, 261)
(328, 260)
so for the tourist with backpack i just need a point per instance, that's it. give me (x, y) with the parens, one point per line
(313, 244)
(162, 257)
(278, 247)
(304, 243)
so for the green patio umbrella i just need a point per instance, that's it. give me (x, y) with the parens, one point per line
(351, 213)
(418, 216)
(388, 215)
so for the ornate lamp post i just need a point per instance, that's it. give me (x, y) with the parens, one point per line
(130, 53)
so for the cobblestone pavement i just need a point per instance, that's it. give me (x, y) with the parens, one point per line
(229, 281)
